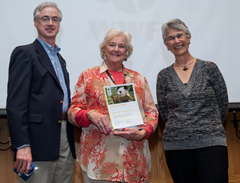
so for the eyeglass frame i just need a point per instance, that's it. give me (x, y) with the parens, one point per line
(50, 18)
(172, 37)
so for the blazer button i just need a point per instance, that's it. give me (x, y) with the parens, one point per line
(61, 102)
(59, 121)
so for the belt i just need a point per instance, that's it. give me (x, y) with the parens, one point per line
(64, 116)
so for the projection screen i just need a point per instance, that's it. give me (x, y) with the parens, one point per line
(214, 26)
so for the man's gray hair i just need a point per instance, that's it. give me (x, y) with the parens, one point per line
(43, 5)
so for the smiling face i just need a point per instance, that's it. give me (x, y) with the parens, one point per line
(115, 50)
(47, 31)
(177, 42)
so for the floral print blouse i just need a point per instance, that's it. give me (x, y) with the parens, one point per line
(110, 157)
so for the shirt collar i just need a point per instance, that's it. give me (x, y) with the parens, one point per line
(48, 47)
(103, 68)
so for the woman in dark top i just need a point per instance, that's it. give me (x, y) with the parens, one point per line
(193, 103)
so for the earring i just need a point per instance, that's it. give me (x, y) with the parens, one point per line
(125, 58)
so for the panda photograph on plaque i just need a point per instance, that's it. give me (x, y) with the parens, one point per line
(123, 106)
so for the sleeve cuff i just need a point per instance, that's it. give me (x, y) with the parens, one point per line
(23, 146)
(149, 130)
(81, 118)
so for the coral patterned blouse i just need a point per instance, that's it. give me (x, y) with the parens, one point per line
(110, 157)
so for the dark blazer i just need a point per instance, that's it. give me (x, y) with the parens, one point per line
(34, 102)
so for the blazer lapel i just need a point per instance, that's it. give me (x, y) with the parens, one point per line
(44, 59)
(64, 69)
(65, 73)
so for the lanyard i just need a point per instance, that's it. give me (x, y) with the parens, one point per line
(110, 77)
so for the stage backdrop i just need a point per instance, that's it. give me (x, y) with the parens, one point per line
(214, 26)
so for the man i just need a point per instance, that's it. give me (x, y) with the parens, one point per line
(37, 103)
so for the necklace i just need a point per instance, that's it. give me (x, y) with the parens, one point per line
(184, 66)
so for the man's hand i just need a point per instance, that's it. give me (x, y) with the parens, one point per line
(23, 159)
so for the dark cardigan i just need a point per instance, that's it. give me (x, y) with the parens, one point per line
(194, 113)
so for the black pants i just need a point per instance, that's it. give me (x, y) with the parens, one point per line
(203, 165)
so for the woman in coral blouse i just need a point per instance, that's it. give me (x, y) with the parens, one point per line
(107, 154)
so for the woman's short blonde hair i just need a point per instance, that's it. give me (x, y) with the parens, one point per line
(114, 32)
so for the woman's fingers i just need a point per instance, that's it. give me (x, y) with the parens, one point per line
(131, 133)
(101, 121)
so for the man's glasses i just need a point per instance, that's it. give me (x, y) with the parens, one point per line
(46, 19)
(172, 37)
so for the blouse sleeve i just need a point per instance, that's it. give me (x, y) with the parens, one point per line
(150, 110)
(220, 89)
(78, 107)
(161, 96)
